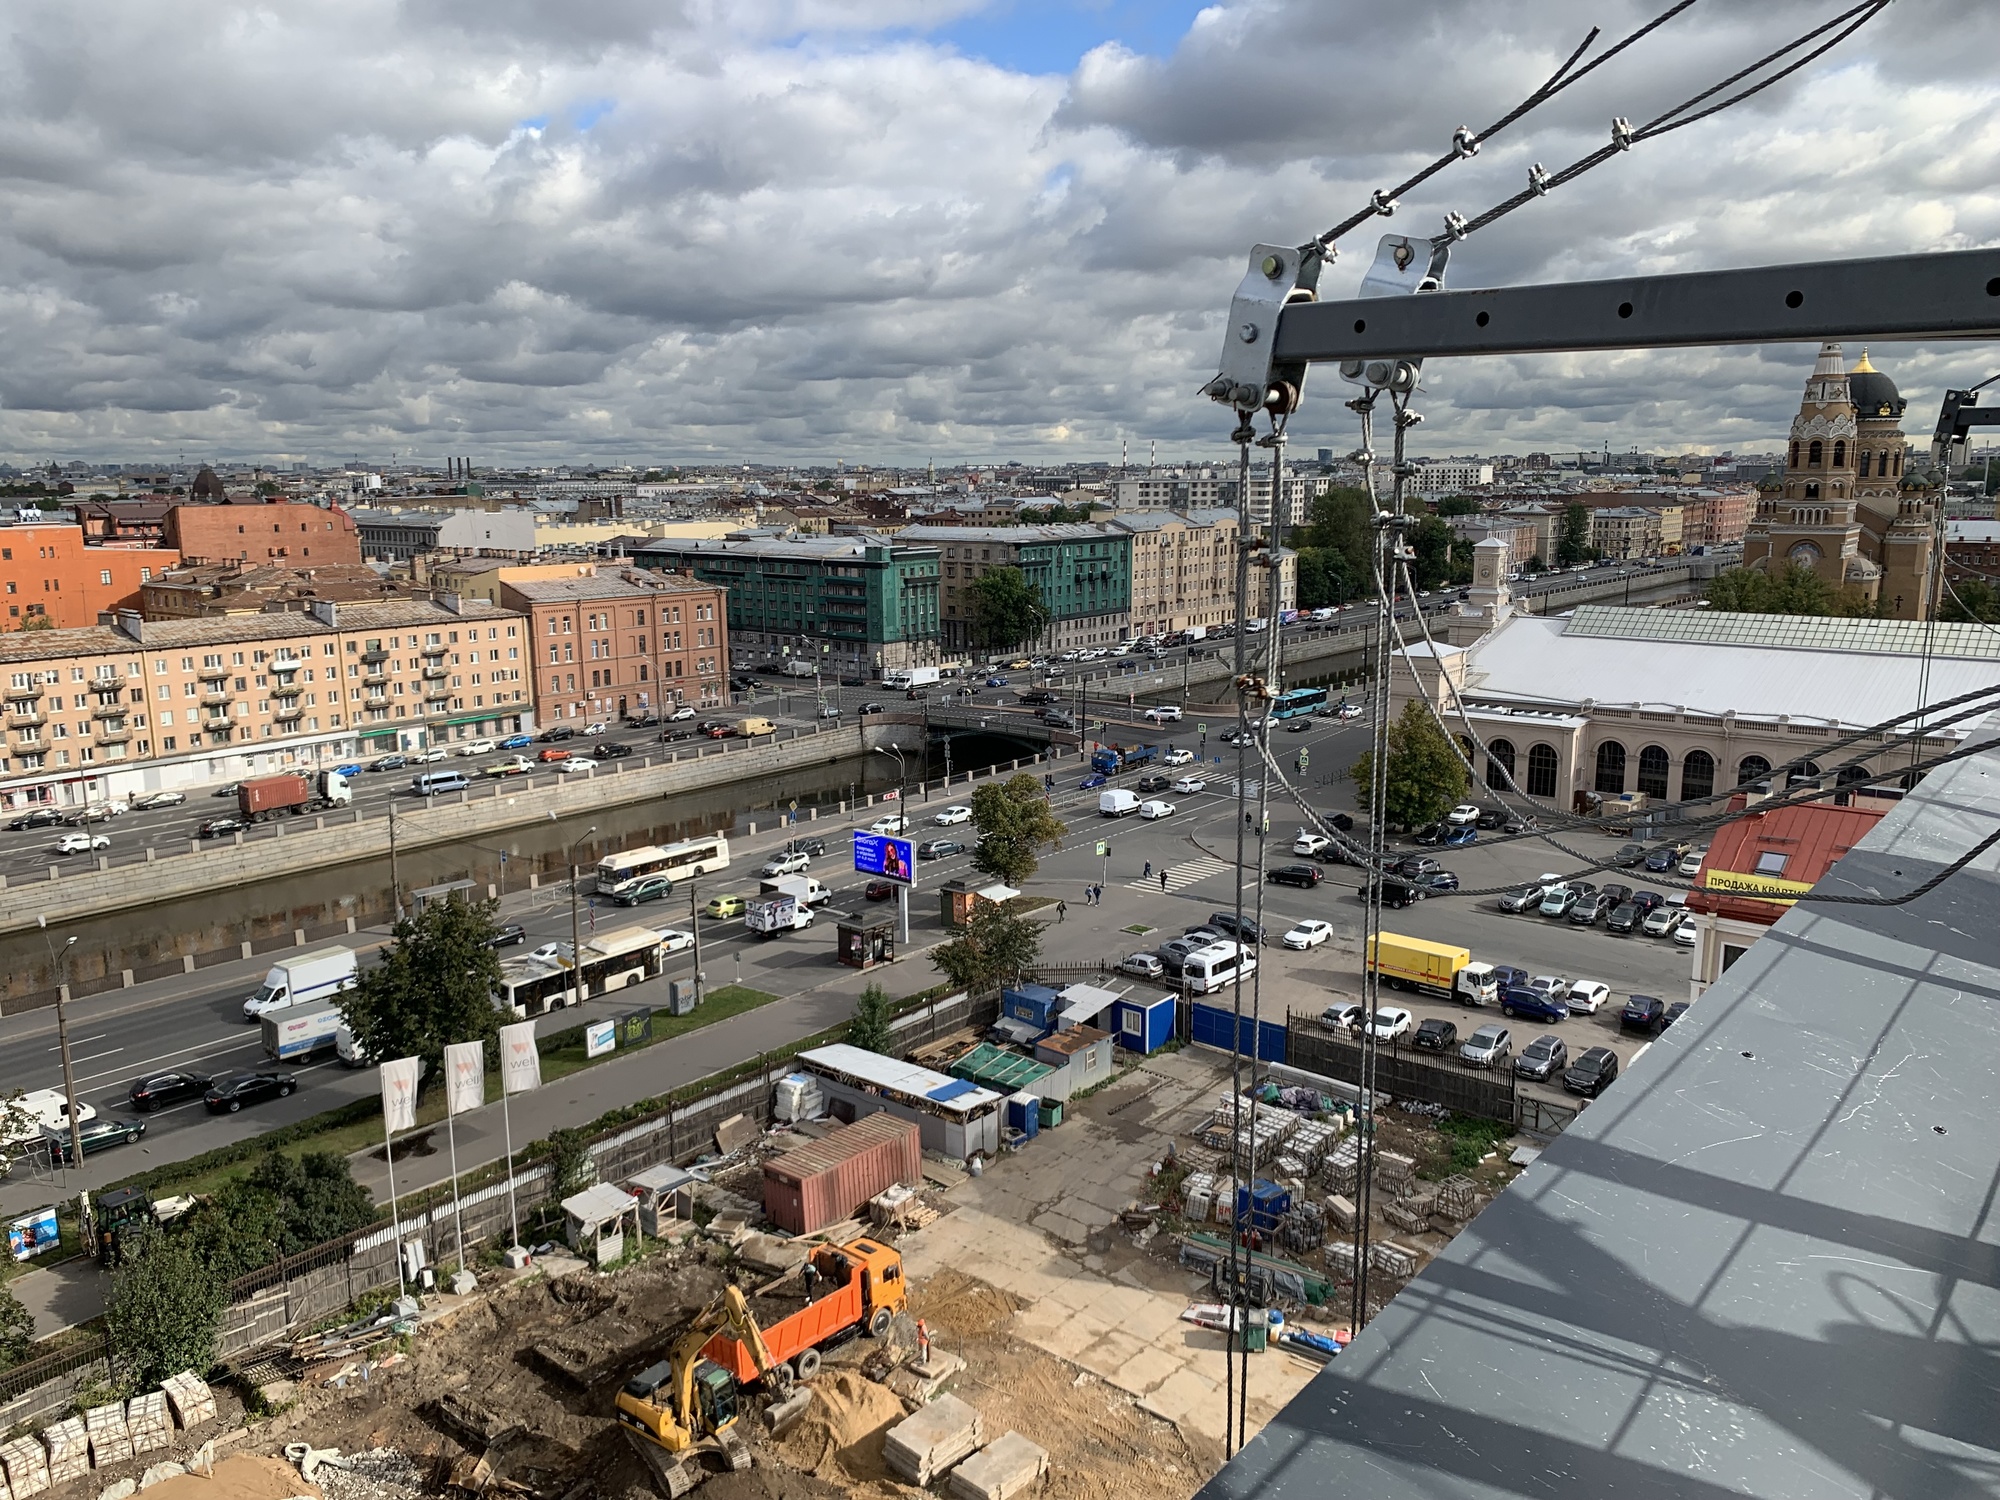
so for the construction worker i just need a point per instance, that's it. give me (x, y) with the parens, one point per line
(923, 1343)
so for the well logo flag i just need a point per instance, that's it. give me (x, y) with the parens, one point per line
(399, 1093)
(520, 1063)
(464, 1076)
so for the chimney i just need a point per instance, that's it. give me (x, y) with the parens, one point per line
(132, 623)
(326, 611)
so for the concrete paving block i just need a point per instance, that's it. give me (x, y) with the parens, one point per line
(26, 1463)
(1000, 1470)
(147, 1422)
(69, 1449)
(921, 1382)
(925, 1444)
(110, 1437)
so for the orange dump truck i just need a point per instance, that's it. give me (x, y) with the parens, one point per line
(841, 1290)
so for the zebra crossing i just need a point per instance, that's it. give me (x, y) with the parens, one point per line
(1181, 876)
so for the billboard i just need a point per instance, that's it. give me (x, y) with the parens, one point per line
(878, 854)
(599, 1037)
(33, 1233)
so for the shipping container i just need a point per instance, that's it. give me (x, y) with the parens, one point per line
(822, 1182)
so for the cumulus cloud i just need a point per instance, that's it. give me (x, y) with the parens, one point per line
(801, 229)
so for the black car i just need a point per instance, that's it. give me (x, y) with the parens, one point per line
(1244, 930)
(229, 1092)
(1306, 876)
(1648, 902)
(1038, 695)
(813, 847)
(1297, 726)
(1592, 1073)
(668, 736)
(939, 849)
(35, 817)
(507, 935)
(1618, 893)
(1155, 783)
(1435, 1034)
(216, 828)
(1173, 953)
(610, 750)
(1491, 818)
(879, 890)
(388, 762)
(1339, 820)
(1522, 898)
(1439, 881)
(1430, 835)
(558, 732)
(1625, 918)
(1589, 909)
(873, 708)
(95, 1135)
(158, 1089)
(642, 721)
(744, 684)
(1544, 1057)
(1674, 1012)
(1397, 894)
(1628, 855)
(1643, 1013)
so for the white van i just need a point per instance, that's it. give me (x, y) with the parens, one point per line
(430, 783)
(1216, 967)
(1116, 803)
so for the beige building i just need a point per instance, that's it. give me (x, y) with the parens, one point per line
(1184, 570)
(137, 705)
(481, 577)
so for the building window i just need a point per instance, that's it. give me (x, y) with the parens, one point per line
(1840, 453)
(1752, 768)
(104, 575)
(1500, 764)
(1611, 768)
(1542, 768)
(1697, 775)
(1654, 764)
(1815, 454)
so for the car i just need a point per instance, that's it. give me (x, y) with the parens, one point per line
(1346, 710)
(1309, 933)
(1165, 713)
(1586, 997)
(427, 757)
(1435, 1034)
(1177, 757)
(552, 757)
(1438, 882)
(1592, 1073)
(996, 681)
(80, 843)
(1557, 903)
(1663, 859)
(36, 817)
(1243, 929)
(1430, 835)
(1415, 866)
(351, 769)
(1297, 726)
(1532, 1005)
(1303, 876)
(1688, 933)
(1091, 782)
(557, 733)
(1397, 894)
(785, 862)
(551, 953)
(815, 847)
(1037, 695)
(95, 812)
(577, 766)
(828, 711)
(1544, 1057)
(1491, 818)
(1388, 1023)
(1507, 976)
(1618, 893)
(158, 1090)
(1465, 815)
(1553, 985)
(953, 815)
(681, 714)
(215, 828)
(1625, 918)
(229, 1092)
(1661, 921)
(1648, 902)
(646, 888)
(1691, 861)
(1311, 844)
(893, 824)
(476, 747)
(1521, 898)
(1629, 854)
(1458, 838)
(508, 935)
(517, 742)
(1173, 953)
(1142, 965)
(513, 765)
(879, 890)
(1188, 785)
(1239, 736)
(591, 731)
(1589, 910)
(146, 801)
(642, 721)
(1341, 1017)
(1153, 810)
(939, 849)
(388, 762)
(675, 939)
(93, 1136)
(227, 789)
(873, 708)
(1487, 1046)
(610, 750)
(724, 906)
(1642, 1013)
(1674, 1012)
(1153, 783)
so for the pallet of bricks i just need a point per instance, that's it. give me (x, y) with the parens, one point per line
(104, 1435)
(1263, 1131)
(1307, 1147)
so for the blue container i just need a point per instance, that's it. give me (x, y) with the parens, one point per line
(1033, 1003)
(1024, 1113)
(1143, 1026)
(1262, 1204)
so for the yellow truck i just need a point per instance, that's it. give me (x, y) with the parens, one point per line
(1443, 970)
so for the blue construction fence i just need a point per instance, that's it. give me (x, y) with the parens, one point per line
(1214, 1026)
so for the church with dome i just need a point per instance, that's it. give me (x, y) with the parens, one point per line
(1845, 506)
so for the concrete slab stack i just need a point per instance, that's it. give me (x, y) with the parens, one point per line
(147, 1422)
(69, 1450)
(925, 1444)
(1000, 1470)
(110, 1438)
(26, 1463)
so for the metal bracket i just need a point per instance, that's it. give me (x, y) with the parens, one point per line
(1404, 265)
(1250, 378)
(1960, 413)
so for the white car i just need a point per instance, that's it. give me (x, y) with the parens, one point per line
(552, 953)
(1177, 757)
(1586, 997)
(1309, 934)
(427, 757)
(952, 815)
(476, 747)
(685, 711)
(1152, 810)
(674, 940)
(1165, 713)
(1691, 861)
(1390, 1022)
(1350, 711)
(1687, 934)
(1553, 985)
(1190, 784)
(797, 862)
(593, 729)
(576, 766)
(1142, 965)
(893, 824)
(80, 843)
(1462, 816)
(147, 800)
(1309, 843)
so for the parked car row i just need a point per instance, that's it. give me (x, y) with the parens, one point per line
(1616, 907)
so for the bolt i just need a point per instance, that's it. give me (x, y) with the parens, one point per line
(1274, 266)
(1248, 333)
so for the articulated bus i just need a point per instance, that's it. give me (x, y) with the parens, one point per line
(611, 960)
(682, 861)
(1299, 702)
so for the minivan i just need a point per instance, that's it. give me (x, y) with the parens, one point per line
(1216, 967)
(430, 783)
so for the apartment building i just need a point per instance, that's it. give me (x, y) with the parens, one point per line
(282, 531)
(1626, 531)
(52, 577)
(104, 711)
(623, 640)
(1184, 570)
(1716, 518)
(1522, 536)
(1083, 570)
(1455, 474)
(240, 588)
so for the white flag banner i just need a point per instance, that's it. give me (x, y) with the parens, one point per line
(399, 1092)
(464, 1076)
(520, 1063)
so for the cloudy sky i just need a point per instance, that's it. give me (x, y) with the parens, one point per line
(800, 230)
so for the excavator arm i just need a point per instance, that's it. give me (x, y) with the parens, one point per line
(674, 1424)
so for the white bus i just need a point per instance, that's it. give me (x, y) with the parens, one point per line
(611, 961)
(1216, 967)
(683, 861)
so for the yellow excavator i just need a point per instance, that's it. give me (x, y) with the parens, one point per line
(687, 1405)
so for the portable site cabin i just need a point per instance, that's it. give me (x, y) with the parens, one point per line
(1081, 1057)
(1143, 1025)
(666, 1198)
(1083, 1005)
(957, 1118)
(1027, 1014)
(595, 1221)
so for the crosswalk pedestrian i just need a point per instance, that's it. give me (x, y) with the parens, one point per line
(1179, 877)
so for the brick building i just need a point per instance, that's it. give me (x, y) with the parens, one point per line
(255, 531)
(48, 575)
(209, 589)
(619, 641)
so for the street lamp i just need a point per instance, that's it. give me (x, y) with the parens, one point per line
(68, 1072)
(575, 930)
(903, 814)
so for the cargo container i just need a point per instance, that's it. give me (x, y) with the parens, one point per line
(822, 1182)
(1443, 970)
(296, 1033)
(268, 796)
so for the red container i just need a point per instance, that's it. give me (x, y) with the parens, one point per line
(268, 794)
(822, 1182)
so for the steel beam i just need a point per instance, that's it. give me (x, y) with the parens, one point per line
(1953, 295)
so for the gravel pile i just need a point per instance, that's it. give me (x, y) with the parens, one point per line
(378, 1474)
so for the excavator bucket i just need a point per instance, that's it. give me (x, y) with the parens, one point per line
(782, 1416)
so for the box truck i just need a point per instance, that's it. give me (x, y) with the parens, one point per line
(808, 890)
(1443, 970)
(770, 915)
(293, 792)
(297, 1034)
(311, 979)
(800, 669)
(910, 677)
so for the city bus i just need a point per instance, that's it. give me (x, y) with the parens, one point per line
(532, 987)
(682, 861)
(1299, 703)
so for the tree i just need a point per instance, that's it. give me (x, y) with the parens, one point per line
(1007, 610)
(17, 1330)
(1015, 824)
(282, 1207)
(1573, 546)
(164, 1309)
(1535, 565)
(435, 986)
(1797, 590)
(998, 944)
(1971, 599)
(869, 1030)
(1458, 505)
(1431, 540)
(1425, 779)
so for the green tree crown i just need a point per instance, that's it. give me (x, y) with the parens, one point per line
(1424, 780)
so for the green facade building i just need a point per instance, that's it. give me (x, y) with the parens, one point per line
(1083, 569)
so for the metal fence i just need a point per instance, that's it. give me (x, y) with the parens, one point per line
(39, 1388)
(1402, 1073)
(1543, 1117)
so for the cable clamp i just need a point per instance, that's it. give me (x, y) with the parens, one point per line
(1538, 180)
(1621, 133)
(1381, 202)
(1454, 226)
(1464, 142)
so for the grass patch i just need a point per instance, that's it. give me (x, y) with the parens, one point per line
(1467, 1139)
(1137, 929)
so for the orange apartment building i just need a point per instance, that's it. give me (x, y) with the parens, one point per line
(285, 531)
(48, 577)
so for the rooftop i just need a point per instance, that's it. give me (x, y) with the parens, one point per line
(226, 630)
(620, 583)
(1787, 632)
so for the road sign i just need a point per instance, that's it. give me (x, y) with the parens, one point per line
(1302, 760)
(1103, 848)
(1202, 730)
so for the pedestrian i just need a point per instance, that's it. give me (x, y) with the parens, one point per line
(1149, 871)
(1163, 882)
(1062, 911)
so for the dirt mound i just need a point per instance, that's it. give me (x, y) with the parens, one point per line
(841, 1436)
(954, 1307)
(241, 1476)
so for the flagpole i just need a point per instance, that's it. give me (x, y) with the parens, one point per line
(507, 1129)
(395, 1223)
(457, 1219)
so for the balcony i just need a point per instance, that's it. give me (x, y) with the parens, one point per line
(217, 697)
(22, 694)
(109, 710)
(20, 716)
(213, 674)
(287, 712)
(436, 674)
(286, 690)
(438, 693)
(114, 734)
(435, 650)
(285, 663)
(374, 657)
(375, 676)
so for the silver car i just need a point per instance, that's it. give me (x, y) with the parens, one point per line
(1487, 1046)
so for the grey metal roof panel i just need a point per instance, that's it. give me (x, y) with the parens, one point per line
(1765, 1263)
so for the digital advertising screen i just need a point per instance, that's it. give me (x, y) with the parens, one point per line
(878, 854)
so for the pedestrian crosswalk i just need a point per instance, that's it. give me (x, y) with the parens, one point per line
(1181, 876)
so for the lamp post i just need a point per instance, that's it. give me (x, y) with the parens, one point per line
(575, 929)
(69, 1072)
(694, 926)
(903, 815)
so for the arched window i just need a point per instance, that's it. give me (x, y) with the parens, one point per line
(1862, 466)
(1611, 767)
(1804, 771)
(1752, 768)
(1654, 764)
(1840, 453)
(1500, 764)
(1851, 774)
(1697, 775)
(1899, 460)
(1815, 454)
(1465, 748)
(1795, 453)
(1542, 766)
